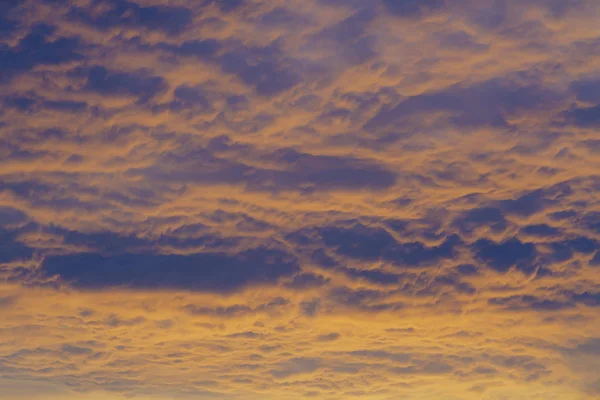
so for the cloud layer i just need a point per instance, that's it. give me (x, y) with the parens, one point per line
(278, 199)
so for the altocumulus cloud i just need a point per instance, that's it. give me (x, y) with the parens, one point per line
(323, 198)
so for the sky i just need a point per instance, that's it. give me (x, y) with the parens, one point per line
(288, 199)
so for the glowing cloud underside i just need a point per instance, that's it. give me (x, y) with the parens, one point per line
(280, 199)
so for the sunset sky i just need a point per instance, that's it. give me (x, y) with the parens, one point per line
(289, 199)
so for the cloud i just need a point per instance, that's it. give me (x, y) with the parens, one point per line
(535, 201)
(462, 41)
(35, 49)
(31, 103)
(527, 302)
(202, 49)
(349, 38)
(228, 5)
(109, 14)
(564, 250)
(237, 310)
(467, 269)
(114, 321)
(10, 216)
(487, 103)
(7, 24)
(186, 96)
(296, 366)
(76, 351)
(373, 275)
(542, 230)
(366, 243)
(585, 117)
(298, 172)
(328, 338)
(7, 301)
(586, 90)
(502, 256)
(100, 80)
(566, 300)
(412, 8)
(307, 281)
(485, 216)
(311, 307)
(12, 249)
(244, 335)
(367, 300)
(215, 272)
(265, 69)
(324, 198)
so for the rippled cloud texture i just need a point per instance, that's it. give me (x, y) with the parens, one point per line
(279, 199)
